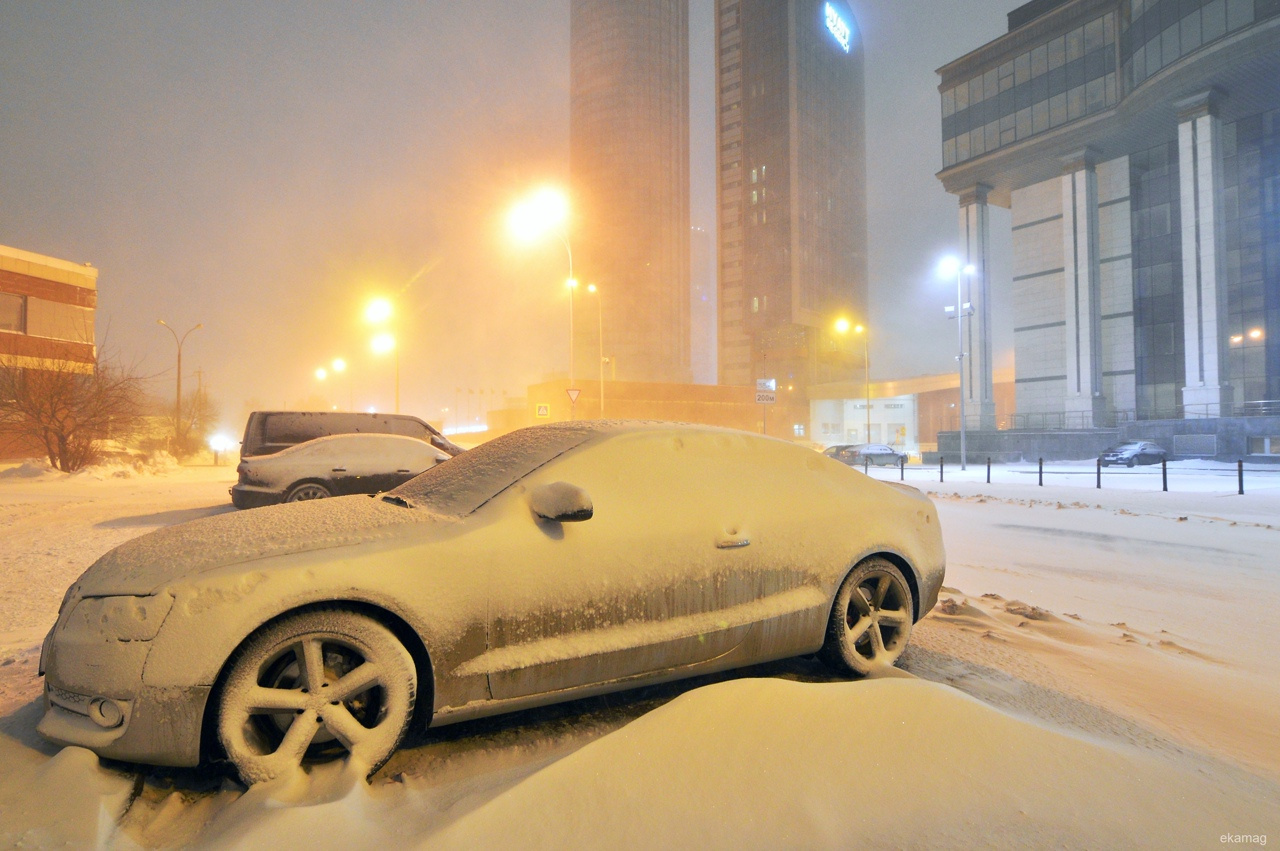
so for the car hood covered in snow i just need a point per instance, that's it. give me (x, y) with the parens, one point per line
(140, 566)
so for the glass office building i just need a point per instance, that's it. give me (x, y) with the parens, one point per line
(1137, 144)
(629, 174)
(791, 190)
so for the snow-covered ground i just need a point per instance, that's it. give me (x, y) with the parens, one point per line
(1100, 672)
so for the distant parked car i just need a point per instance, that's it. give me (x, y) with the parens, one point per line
(856, 454)
(1134, 452)
(337, 465)
(268, 432)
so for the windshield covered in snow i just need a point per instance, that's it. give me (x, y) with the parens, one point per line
(464, 483)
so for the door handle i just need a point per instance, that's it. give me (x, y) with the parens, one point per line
(729, 542)
(339, 469)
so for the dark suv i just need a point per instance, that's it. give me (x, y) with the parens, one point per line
(267, 432)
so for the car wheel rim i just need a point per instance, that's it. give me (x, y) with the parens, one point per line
(308, 492)
(877, 620)
(317, 697)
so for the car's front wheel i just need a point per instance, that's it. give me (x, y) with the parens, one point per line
(319, 685)
(870, 620)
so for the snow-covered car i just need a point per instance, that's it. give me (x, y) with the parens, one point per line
(339, 465)
(552, 563)
(858, 454)
(1134, 452)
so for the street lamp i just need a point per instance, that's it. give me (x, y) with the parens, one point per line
(544, 212)
(379, 312)
(177, 403)
(948, 267)
(842, 327)
(382, 343)
(591, 288)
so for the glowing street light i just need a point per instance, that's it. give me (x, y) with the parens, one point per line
(843, 327)
(321, 374)
(948, 267)
(543, 213)
(377, 311)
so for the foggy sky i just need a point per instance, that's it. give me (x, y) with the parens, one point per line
(264, 169)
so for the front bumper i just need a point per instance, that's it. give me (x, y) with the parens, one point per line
(159, 726)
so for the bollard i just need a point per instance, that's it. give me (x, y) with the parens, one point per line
(1240, 476)
(866, 464)
(902, 468)
(1164, 475)
(941, 461)
(1099, 474)
(988, 471)
(1041, 472)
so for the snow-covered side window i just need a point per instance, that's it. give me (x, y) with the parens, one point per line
(464, 483)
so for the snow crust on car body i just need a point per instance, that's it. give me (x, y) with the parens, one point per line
(513, 610)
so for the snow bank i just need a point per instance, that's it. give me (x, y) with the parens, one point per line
(883, 763)
(33, 468)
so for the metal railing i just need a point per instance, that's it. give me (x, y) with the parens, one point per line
(1082, 420)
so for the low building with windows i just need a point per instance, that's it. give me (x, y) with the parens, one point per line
(1137, 145)
(46, 317)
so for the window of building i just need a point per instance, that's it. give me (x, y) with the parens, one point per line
(13, 313)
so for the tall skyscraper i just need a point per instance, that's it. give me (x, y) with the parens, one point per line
(629, 173)
(792, 190)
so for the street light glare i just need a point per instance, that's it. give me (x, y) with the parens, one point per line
(572, 283)
(970, 269)
(339, 365)
(859, 329)
(378, 310)
(321, 375)
(383, 343)
(591, 288)
(842, 325)
(949, 267)
(544, 211)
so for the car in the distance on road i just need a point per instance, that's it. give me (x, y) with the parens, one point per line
(1134, 452)
(338, 465)
(549, 564)
(858, 454)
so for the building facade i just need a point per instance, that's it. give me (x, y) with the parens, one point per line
(1137, 144)
(46, 322)
(791, 181)
(46, 311)
(629, 174)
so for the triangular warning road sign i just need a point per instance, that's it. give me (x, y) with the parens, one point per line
(573, 395)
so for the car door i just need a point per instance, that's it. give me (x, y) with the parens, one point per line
(666, 574)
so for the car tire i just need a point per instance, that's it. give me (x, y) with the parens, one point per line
(1130, 462)
(870, 621)
(307, 490)
(319, 685)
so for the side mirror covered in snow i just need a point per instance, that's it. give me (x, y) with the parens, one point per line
(561, 502)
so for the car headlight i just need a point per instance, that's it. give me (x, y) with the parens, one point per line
(119, 618)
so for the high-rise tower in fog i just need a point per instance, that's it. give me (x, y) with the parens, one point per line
(629, 173)
(792, 189)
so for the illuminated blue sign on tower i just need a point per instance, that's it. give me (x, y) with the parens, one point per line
(838, 27)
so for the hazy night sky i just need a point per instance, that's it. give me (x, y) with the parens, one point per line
(265, 168)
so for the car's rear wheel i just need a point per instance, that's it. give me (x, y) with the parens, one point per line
(1130, 462)
(870, 620)
(319, 685)
(307, 490)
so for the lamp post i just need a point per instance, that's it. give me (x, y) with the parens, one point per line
(385, 342)
(951, 266)
(379, 312)
(547, 211)
(177, 403)
(591, 288)
(842, 327)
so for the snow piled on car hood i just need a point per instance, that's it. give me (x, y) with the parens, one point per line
(141, 565)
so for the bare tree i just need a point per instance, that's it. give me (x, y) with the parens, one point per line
(70, 408)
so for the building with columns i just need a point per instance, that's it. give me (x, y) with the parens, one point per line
(1137, 145)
